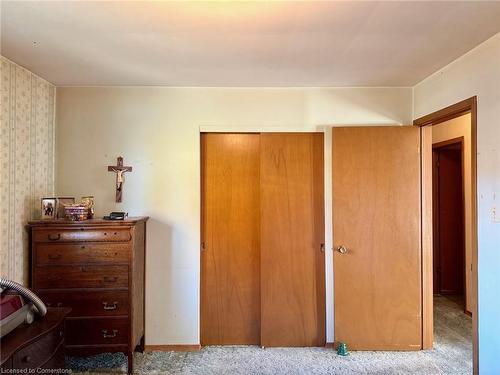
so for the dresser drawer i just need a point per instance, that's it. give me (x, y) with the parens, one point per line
(95, 303)
(36, 354)
(57, 361)
(86, 331)
(61, 277)
(69, 253)
(82, 234)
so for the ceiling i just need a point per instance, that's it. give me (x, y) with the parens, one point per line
(217, 43)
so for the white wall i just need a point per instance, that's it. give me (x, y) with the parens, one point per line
(478, 73)
(156, 130)
(455, 128)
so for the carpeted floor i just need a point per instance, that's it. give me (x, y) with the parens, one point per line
(452, 354)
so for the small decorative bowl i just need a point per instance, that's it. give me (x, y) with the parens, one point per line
(76, 212)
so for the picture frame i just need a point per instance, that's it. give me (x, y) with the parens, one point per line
(61, 201)
(48, 208)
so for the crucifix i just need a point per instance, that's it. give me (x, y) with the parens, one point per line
(119, 169)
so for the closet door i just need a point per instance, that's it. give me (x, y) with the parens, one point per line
(292, 234)
(376, 237)
(230, 261)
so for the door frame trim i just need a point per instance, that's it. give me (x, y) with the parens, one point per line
(448, 113)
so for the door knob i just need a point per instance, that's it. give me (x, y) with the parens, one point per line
(342, 249)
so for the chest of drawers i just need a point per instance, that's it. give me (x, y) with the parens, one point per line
(96, 267)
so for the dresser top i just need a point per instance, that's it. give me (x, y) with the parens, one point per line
(129, 221)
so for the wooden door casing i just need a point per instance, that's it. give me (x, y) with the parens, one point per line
(376, 215)
(230, 255)
(292, 234)
(426, 123)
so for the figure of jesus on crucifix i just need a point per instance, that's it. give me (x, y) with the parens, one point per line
(119, 169)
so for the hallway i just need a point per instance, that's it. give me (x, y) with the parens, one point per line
(453, 331)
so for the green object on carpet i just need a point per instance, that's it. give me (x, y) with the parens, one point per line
(342, 350)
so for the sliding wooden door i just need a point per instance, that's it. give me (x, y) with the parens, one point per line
(376, 232)
(292, 234)
(230, 256)
(262, 258)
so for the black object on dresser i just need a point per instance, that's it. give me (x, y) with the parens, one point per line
(39, 345)
(96, 267)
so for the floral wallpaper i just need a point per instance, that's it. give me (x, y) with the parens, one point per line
(26, 161)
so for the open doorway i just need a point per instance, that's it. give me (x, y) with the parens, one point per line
(448, 218)
(449, 229)
(451, 233)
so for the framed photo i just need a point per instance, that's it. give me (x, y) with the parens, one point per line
(49, 208)
(61, 201)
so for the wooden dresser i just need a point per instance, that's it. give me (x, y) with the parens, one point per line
(96, 267)
(39, 345)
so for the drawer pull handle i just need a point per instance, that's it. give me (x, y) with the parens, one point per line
(55, 256)
(107, 335)
(54, 237)
(109, 279)
(106, 306)
(27, 359)
(82, 247)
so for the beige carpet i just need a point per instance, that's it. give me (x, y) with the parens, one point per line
(452, 355)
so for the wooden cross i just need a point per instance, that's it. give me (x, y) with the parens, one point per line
(119, 169)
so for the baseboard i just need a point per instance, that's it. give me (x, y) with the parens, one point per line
(194, 348)
(172, 348)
